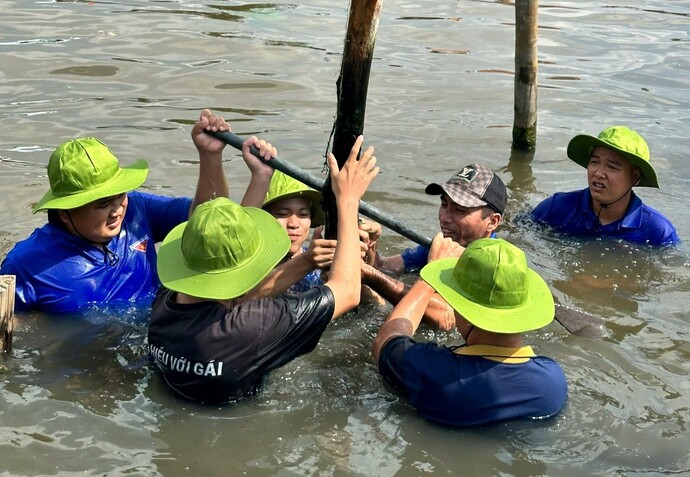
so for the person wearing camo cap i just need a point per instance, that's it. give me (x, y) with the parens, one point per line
(472, 204)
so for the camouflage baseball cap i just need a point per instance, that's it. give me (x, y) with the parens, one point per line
(474, 186)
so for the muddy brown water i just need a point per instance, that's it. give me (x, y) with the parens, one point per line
(79, 397)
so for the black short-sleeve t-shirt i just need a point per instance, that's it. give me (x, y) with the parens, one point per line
(212, 354)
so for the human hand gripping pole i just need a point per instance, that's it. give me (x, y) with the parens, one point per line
(314, 182)
(576, 321)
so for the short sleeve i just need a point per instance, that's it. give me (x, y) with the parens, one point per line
(392, 362)
(415, 258)
(287, 327)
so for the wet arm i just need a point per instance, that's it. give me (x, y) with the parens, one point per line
(437, 313)
(405, 317)
(282, 277)
(212, 182)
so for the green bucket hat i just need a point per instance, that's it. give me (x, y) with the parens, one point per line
(222, 252)
(83, 170)
(285, 187)
(621, 139)
(492, 287)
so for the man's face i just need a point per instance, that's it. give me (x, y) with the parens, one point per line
(609, 175)
(465, 224)
(98, 221)
(295, 216)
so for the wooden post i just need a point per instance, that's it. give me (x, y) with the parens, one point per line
(525, 119)
(6, 311)
(352, 87)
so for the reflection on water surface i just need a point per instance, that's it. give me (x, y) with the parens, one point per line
(81, 396)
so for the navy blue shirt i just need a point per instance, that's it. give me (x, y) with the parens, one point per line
(571, 213)
(58, 272)
(461, 390)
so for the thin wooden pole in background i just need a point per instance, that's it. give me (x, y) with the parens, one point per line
(352, 87)
(7, 284)
(526, 67)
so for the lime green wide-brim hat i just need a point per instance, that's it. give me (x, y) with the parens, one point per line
(285, 187)
(222, 252)
(83, 170)
(621, 139)
(492, 287)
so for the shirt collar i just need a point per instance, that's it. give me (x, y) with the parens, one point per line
(502, 354)
(631, 220)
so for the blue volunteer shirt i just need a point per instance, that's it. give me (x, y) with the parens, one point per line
(571, 213)
(459, 390)
(307, 282)
(58, 272)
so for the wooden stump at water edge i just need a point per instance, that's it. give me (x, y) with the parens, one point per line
(6, 311)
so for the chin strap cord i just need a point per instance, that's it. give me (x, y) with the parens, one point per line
(110, 257)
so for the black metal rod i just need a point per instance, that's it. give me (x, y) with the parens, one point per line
(314, 182)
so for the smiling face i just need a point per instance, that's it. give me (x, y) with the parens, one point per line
(610, 176)
(465, 224)
(98, 221)
(294, 215)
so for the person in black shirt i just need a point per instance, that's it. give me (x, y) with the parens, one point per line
(212, 339)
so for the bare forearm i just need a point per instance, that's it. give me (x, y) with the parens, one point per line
(388, 287)
(212, 182)
(393, 264)
(405, 317)
(438, 313)
(256, 191)
(345, 270)
(282, 277)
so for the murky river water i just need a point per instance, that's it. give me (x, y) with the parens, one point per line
(79, 397)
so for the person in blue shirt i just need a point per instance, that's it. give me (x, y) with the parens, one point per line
(98, 247)
(472, 204)
(616, 160)
(493, 378)
(297, 208)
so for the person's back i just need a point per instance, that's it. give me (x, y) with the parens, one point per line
(494, 377)
(211, 340)
(452, 388)
(214, 354)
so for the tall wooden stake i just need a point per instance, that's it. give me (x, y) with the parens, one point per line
(6, 311)
(525, 119)
(352, 87)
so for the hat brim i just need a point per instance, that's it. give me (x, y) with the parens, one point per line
(127, 179)
(580, 151)
(537, 311)
(312, 196)
(460, 197)
(175, 275)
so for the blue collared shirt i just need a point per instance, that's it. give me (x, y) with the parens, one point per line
(461, 391)
(571, 213)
